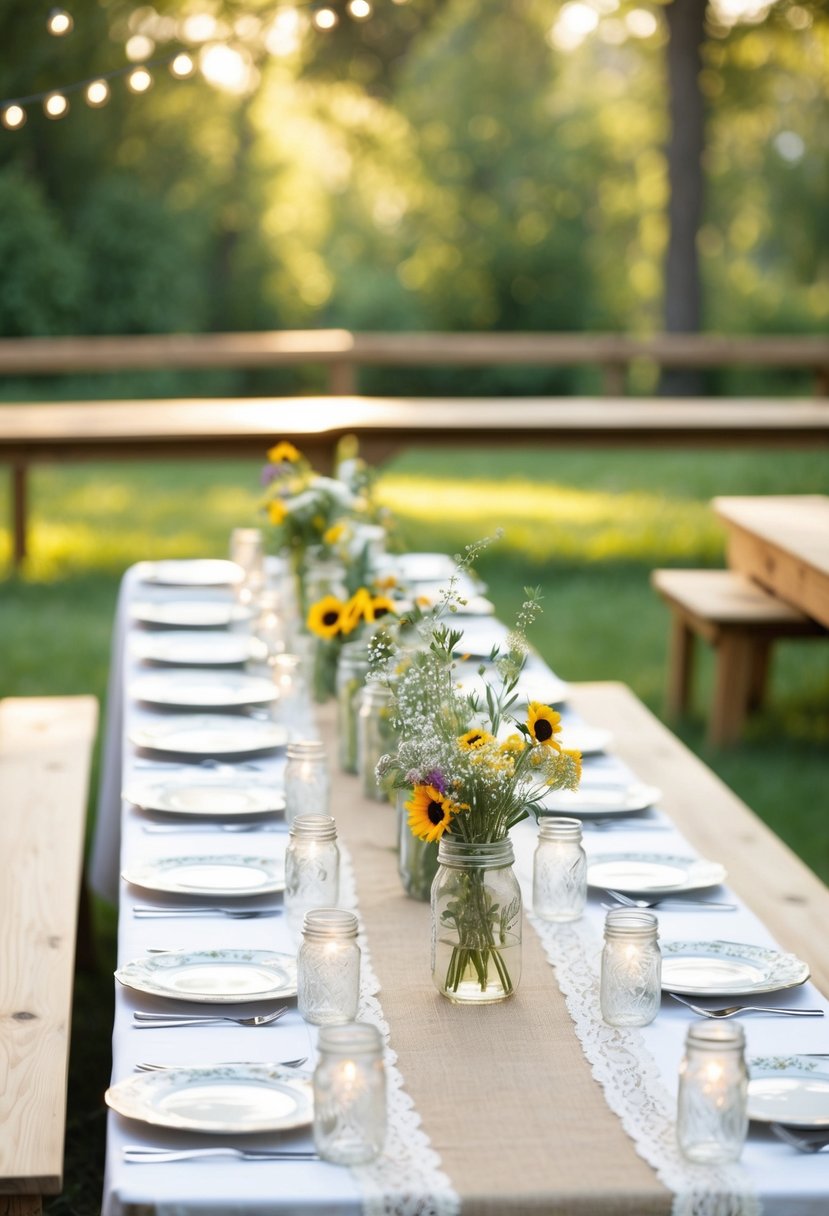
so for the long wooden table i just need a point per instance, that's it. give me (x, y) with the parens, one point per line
(782, 542)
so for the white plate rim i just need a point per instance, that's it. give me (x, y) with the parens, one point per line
(140, 796)
(130, 1098)
(137, 975)
(149, 875)
(169, 572)
(152, 612)
(716, 872)
(161, 646)
(141, 688)
(647, 797)
(794, 1066)
(787, 964)
(156, 736)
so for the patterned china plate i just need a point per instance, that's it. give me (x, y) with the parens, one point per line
(602, 800)
(224, 875)
(224, 1098)
(789, 1089)
(198, 572)
(190, 614)
(203, 689)
(209, 735)
(728, 969)
(652, 873)
(199, 648)
(215, 977)
(223, 797)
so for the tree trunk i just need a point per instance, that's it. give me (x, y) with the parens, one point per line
(686, 28)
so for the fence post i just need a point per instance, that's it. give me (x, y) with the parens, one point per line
(18, 506)
(342, 380)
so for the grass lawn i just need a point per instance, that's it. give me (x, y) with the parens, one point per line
(587, 527)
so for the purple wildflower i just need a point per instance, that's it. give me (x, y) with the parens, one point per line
(436, 778)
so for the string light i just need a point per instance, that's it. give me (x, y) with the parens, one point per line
(360, 10)
(13, 117)
(59, 22)
(325, 18)
(139, 48)
(55, 105)
(182, 66)
(139, 80)
(97, 93)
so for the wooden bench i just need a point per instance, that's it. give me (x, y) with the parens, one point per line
(45, 749)
(741, 621)
(195, 428)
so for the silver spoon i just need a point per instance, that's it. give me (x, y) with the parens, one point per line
(804, 1141)
(143, 1020)
(730, 1011)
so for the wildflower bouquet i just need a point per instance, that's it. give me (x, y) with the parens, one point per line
(474, 770)
(303, 505)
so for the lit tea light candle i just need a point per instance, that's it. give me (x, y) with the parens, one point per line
(712, 1123)
(312, 868)
(350, 1094)
(328, 967)
(559, 870)
(631, 981)
(307, 783)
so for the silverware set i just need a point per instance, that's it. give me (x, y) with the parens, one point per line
(142, 1020)
(805, 1140)
(146, 1066)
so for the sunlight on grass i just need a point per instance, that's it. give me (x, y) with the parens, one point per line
(558, 521)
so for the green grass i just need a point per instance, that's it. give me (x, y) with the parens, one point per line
(587, 527)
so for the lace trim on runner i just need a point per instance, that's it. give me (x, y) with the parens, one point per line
(632, 1083)
(407, 1180)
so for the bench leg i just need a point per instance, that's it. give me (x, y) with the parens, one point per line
(732, 687)
(19, 514)
(680, 667)
(21, 1205)
(759, 673)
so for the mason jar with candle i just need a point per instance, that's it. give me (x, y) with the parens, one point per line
(712, 1122)
(352, 669)
(247, 550)
(307, 783)
(375, 737)
(350, 1094)
(631, 980)
(559, 870)
(312, 868)
(328, 967)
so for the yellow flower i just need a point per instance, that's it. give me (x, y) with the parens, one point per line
(380, 605)
(543, 724)
(431, 812)
(277, 511)
(283, 451)
(387, 583)
(513, 745)
(356, 610)
(333, 534)
(474, 739)
(575, 758)
(325, 617)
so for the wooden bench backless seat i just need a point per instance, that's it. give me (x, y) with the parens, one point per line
(45, 751)
(741, 621)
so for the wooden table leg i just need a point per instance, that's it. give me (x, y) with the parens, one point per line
(20, 1205)
(732, 687)
(19, 513)
(680, 666)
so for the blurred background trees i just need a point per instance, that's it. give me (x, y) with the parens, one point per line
(455, 165)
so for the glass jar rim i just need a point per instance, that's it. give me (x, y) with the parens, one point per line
(304, 748)
(484, 854)
(631, 922)
(314, 827)
(350, 1038)
(559, 827)
(329, 922)
(715, 1036)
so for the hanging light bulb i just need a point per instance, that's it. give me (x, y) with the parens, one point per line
(325, 18)
(59, 22)
(138, 48)
(182, 66)
(13, 117)
(139, 80)
(97, 93)
(360, 10)
(55, 105)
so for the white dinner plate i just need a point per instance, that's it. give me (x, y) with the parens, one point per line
(789, 1089)
(602, 800)
(223, 797)
(225, 977)
(589, 740)
(198, 572)
(546, 688)
(652, 873)
(199, 648)
(224, 875)
(198, 689)
(728, 969)
(209, 735)
(190, 614)
(224, 1098)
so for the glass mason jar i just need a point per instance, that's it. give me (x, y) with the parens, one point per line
(631, 981)
(375, 737)
(323, 577)
(307, 784)
(350, 1094)
(417, 860)
(352, 669)
(247, 550)
(312, 868)
(476, 922)
(712, 1122)
(559, 870)
(328, 967)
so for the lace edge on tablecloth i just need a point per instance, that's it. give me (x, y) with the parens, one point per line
(407, 1180)
(632, 1083)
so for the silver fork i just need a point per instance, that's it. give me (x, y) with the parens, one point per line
(730, 1011)
(137, 1154)
(145, 1066)
(667, 901)
(805, 1140)
(143, 912)
(178, 829)
(143, 1020)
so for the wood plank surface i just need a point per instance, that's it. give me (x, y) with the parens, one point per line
(45, 748)
(782, 541)
(780, 888)
(727, 597)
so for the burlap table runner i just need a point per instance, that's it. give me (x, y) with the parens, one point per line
(504, 1093)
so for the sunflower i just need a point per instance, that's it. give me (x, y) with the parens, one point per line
(380, 605)
(356, 610)
(277, 511)
(333, 534)
(325, 617)
(283, 452)
(543, 724)
(474, 739)
(430, 812)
